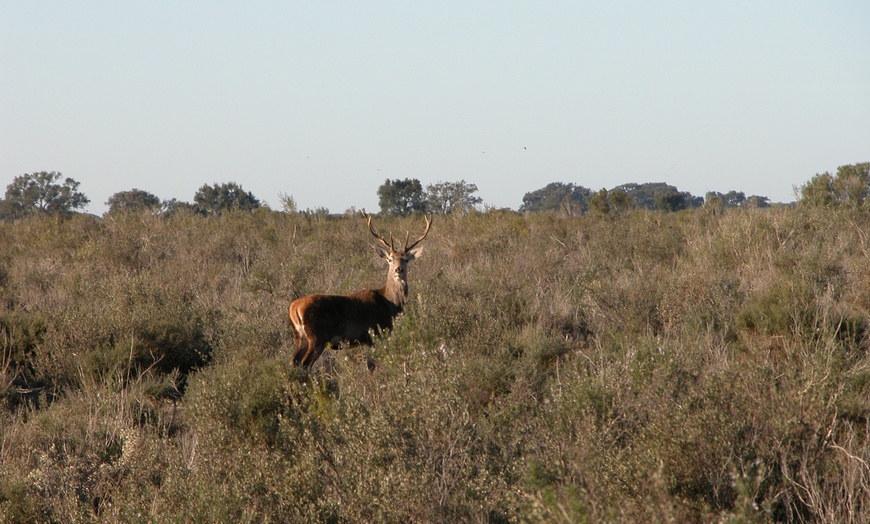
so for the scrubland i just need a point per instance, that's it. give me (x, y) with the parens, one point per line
(686, 367)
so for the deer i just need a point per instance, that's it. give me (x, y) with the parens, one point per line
(320, 320)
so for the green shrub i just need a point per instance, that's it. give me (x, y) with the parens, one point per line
(20, 335)
(686, 367)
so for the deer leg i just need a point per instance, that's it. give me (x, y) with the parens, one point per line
(306, 342)
(315, 348)
(301, 339)
(301, 349)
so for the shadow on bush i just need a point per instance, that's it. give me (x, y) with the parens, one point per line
(20, 334)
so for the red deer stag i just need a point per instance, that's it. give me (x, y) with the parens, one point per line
(329, 319)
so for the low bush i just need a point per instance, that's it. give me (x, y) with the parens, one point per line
(688, 367)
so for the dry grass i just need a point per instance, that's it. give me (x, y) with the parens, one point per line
(686, 367)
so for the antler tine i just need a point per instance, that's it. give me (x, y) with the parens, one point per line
(428, 225)
(375, 233)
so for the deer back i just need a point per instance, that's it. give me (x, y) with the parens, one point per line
(347, 317)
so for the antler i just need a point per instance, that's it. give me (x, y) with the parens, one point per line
(390, 245)
(368, 218)
(428, 225)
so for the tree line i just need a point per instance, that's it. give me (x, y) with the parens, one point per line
(49, 193)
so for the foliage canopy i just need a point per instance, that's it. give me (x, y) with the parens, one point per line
(133, 200)
(850, 185)
(216, 198)
(42, 193)
(568, 198)
(447, 197)
(401, 197)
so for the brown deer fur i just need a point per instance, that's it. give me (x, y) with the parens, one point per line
(330, 319)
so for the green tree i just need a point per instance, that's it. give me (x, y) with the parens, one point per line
(614, 202)
(42, 193)
(714, 203)
(756, 201)
(642, 195)
(215, 199)
(620, 202)
(659, 195)
(568, 198)
(173, 206)
(132, 200)
(446, 197)
(818, 191)
(599, 203)
(670, 201)
(851, 185)
(729, 199)
(401, 197)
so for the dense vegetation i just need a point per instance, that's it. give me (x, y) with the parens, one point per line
(700, 366)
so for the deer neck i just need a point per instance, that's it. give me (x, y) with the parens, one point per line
(396, 291)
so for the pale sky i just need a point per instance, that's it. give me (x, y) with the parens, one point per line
(325, 100)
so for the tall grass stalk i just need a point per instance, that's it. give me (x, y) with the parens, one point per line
(685, 367)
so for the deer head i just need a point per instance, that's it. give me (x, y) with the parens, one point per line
(397, 275)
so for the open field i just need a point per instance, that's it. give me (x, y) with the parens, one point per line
(684, 367)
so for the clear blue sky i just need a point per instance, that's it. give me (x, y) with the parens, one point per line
(326, 100)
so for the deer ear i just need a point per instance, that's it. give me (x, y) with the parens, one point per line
(415, 253)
